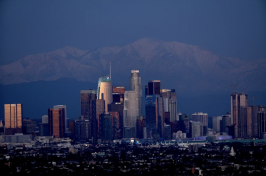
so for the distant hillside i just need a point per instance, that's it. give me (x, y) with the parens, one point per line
(184, 67)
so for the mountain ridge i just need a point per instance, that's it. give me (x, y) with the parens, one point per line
(178, 65)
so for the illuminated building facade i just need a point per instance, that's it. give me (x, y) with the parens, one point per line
(56, 117)
(104, 90)
(169, 101)
(13, 118)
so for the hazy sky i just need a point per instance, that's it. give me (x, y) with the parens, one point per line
(230, 28)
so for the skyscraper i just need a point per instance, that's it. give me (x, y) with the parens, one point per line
(63, 106)
(132, 104)
(104, 91)
(13, 118)
(56, 117)
(262, 122)
(153, 119)
(86, 97)
(135, 85)
(98, 107)
(238, 104)
(153, 88)
(118, 93)
(200, 117)
(169, 101)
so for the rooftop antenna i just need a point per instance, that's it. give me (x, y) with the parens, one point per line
(110, 72)
(233, 86)
(253, 99)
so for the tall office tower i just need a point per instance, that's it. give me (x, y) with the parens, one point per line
(184, 123)
(132, 105)
(153, 119)
(104, 90)
(82, 128)
(56, 117)
(216, 123)
(131, 112)
(167, 132)
(196, 129)
(13, 118)
(250, 123)
(225, 123)
(119, 108)
(200, 117)
(238, 103)
(86, 98)
(116, 125)
(45, 119)
(98, 107)
(135, 85)
(169, 100)
(261, 123)
(153, 88)
(106, 127)
(63, 106)
(256, 110)
(118, 93)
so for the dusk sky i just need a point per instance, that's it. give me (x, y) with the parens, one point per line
(229, 28)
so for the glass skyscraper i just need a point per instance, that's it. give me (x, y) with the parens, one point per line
(13, 118)
(104, 90)
(153, 119)
(132, 105)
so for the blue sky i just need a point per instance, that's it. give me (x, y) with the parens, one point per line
(230, 28)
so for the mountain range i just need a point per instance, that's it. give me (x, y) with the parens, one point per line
(178, 65)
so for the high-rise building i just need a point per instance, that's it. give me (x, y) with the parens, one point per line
(262, 122)
(225, 123)
(86, 98)
(56, 118)
(118, 94)
(104, 90)
(132, 105)
(131, 112)
(117, 108)
(238, 104)
(200, 117)
(63, 106)
(45, 119)
(117, 125)
(98, 107)
(184, 123)
(13, 118)
(169, 101)
(153, 119)
(216, 123)
(135, 85)
(153, 88)
(28, 126)
(82, 128)
(106, 127)
(196, 129)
